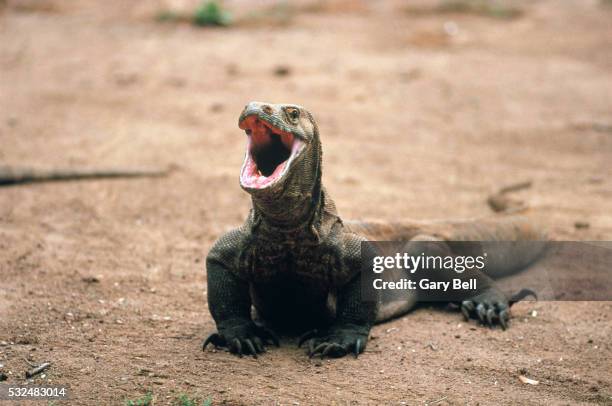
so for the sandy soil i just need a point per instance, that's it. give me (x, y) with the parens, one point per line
(422, 115)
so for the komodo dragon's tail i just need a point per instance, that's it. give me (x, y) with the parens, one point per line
(523, 241)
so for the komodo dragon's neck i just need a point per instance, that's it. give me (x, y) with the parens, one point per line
(282, 167)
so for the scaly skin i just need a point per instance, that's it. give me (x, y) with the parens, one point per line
(298, 264)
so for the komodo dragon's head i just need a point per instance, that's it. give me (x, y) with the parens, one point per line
(282, 164)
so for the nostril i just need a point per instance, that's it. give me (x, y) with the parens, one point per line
(267, 109)
(248, 131)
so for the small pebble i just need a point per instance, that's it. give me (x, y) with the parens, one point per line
(215, 108)
(282, 70)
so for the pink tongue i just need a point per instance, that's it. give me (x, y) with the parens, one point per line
(258, 180)
(278, 170)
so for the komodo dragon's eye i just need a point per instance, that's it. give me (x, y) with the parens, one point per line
(292, 113)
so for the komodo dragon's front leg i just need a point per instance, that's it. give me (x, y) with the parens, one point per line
(354, 316)
(349, 333)
(229, 301)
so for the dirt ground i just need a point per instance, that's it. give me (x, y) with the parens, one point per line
(422, 113)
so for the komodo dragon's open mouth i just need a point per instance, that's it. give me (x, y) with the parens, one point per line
(270, 152)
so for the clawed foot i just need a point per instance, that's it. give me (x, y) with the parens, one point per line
(490, 307)
(336, 342)
(246, 339)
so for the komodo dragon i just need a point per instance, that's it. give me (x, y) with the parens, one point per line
(298, 263)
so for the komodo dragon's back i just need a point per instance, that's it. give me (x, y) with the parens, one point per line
(523, 239)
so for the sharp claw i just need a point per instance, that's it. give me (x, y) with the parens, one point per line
(208, 341)
(466, 313)
(335, 350)
(468, 304)
(504, 316)
(213, 339)
(490, 315)
(328, 349)
(480, 311)
(358, 347)
(310, 347)
(501, 306)
(258, 344)
(306, 336)
(272, 335)
(251, 347)
(237, 347)
(319, 348)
